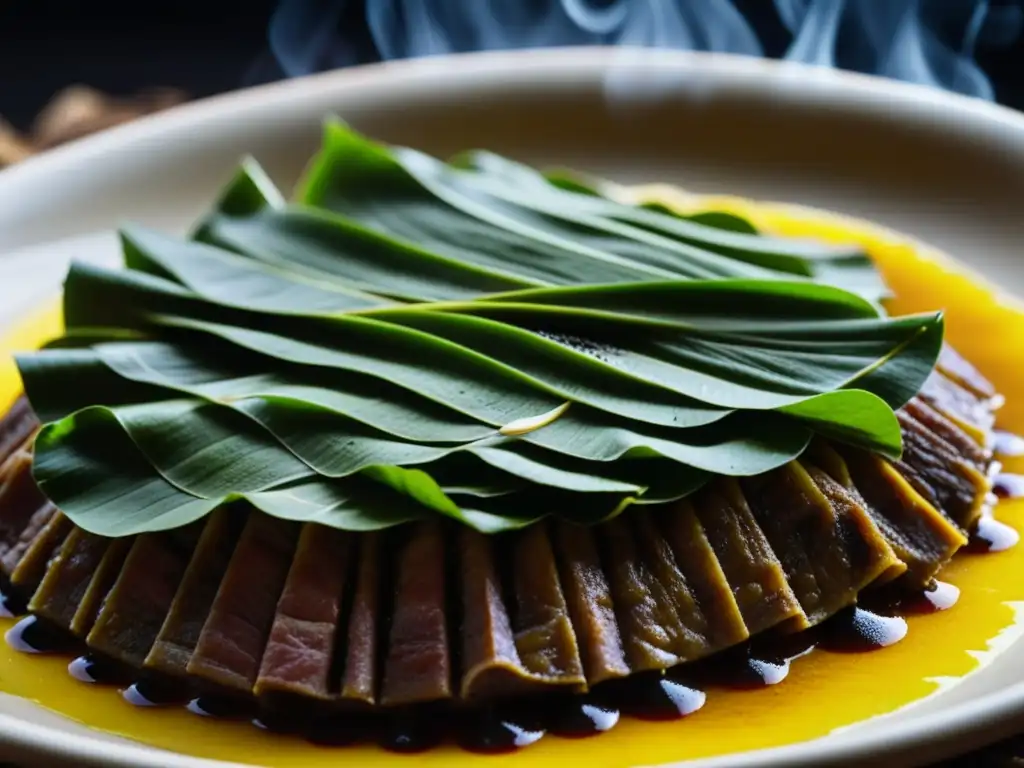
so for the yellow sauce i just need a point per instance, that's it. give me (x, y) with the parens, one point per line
(824, 691)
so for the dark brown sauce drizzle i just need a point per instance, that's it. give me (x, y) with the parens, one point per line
(1007, 443)
(11, 606)
(33, 635)
(991, 535)
(1007, 485)
(500, 729)
(95, 669)
(153, 693)
(876, 623)
(856, 630)
(576, 717)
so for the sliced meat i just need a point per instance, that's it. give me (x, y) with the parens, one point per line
(231, 644)
(418, 668)
(179, 634)
(27, 574)
(697, 561)
(359, 671)
(823, 548)
(935, 469)
(17, 427)
(300, 650)
(589, 598)
(922, 537)
(755, 575)
(25, 509)
(491, 667)
(137, 604)
(77, 579)
(651, 630)
(544, 635)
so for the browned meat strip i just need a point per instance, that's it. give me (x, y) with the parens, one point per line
(758, 583)
(359, 673)
(418, 664)
(17, 427)
(490, 660)
(828, 553)
(299, 652)
(651, 630)
(589, 599)
(940, 474)
(25, 510)
(29, 571)
(697, 561)
(137, 604)
(235, 633)
(178, 636)
(74, 580)
(920, 536)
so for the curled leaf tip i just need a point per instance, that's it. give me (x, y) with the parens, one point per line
(529, 424)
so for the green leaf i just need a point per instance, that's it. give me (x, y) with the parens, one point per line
(468, 340)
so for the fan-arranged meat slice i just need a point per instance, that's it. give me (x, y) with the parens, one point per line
(755, 575)
(417, 666)
(231, 644)
(300, 649)
(28, 571)
(430, 613)
(829, 551)
(358, 683)
(589, 599)
(26, 510)
(136, 606)
(17, 428)
(178, 636)
(922, 537)
(948, 480)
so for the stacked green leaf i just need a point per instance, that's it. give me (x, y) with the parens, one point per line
(468, 339)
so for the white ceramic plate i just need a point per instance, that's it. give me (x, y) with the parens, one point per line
(947, 169)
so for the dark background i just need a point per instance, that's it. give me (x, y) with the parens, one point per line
(206, 47)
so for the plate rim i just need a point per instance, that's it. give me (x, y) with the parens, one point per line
(959, 727)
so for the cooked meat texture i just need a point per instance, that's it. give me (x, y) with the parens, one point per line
(300, 649)
(17, 428)
(829, 551)
(235, 634)
(179, 634)
(42, 547)
(758, 584)
(417, 666)
(358, 683)
(590, 604)
(77, 579)
(436, 612)
(25, 510)
(136, 606)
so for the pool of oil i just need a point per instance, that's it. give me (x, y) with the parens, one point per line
(825, 690)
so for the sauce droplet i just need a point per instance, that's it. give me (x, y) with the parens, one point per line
(497, 731)
(991, 535)
(581, 716)
(856, 629)
(149, 693)
(653, 697)
(1007, 443)
(92, 669)
(11, 607)
(1007, 485)
(30, 635)
(408, 733)
(221, 707)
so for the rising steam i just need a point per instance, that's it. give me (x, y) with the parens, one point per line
(923, 41)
